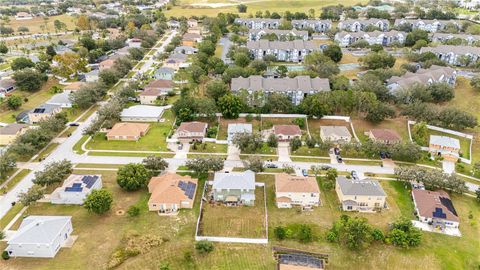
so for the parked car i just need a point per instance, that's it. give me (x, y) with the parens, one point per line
(383, 155)
(271, 166)
(336, 150)
(73, 124)
(180, 146)
(325, 167)
(388, 155)
(355, 175)
(339, 159)
(305, 172)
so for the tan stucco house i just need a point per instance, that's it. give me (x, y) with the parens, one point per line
(171, 192)
(296, 190)
(360, 195)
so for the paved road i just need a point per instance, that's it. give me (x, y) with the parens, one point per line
(226, 43)
(150, 58)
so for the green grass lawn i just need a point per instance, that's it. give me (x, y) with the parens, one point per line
(96, 165)
(77, 148)
(15, 180)
(223, 127)
(208, 147)
(10, 215)
(128, 154)
(397, 124)
(67, 132)
(47, 151)
(306, 151)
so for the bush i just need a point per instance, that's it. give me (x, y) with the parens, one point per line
(5, 255)
(133, 211)
(249, 118)
(280, 233)
(295, 144)
(272, 140)
(204, 246)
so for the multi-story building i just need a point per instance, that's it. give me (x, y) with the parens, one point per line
(434, 74)
(455, 55)
(426, 25)
(288, 51)
(258, 23)
(356, 25)
(319, 26)
(257, 34)
(346, 39)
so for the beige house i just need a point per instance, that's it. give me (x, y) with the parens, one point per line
(287, 132)
(339, 134)
(171, 192)
(192, 23)
(43, 112)
(150, 96)
(296, 190)
(73, 87)
(10, 132)
(386, 136)
(191, 131)
(360, 195)
(127, 131)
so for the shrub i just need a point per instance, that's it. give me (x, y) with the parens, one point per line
(272, 140)
(204, 246)
(133, 211)
(280, 233)
(5, 255)
(249, 118)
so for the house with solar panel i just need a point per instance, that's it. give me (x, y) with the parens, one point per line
(435, 208)
(171, 192)
(43, 112)
(235, 188)
(76, 188)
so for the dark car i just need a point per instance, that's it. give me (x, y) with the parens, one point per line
(74, 124)
(383, 155)
(271, 166)
(339, 159)
(325, 167)
(388, 155)
(336, 150)
(305, 172)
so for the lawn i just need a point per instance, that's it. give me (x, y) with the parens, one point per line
(10, 215)
(154, 140)
(47, 151)
(398, 124)
(67, 132)
(306, 151)
(208, 147)
(37, 24)
(223, 127)
(130, 154)
(314, 126)
(15, 180)
(268, 123)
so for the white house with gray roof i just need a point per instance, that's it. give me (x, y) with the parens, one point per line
(61, 99)
(431, 26)
(360, 195)
(238, 128)
(455, 55)
(142, 113)
(234, 188)
(345, 39)
(257, 34)
(338, 134)
(185, 50)
(434, 74)
(288, 51)
(356, 25)
(258, 23)
(40, 236)
(444, 37)
(75, 189)
(318, 26)
(296, 88)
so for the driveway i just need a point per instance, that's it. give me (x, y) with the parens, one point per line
(233, 153)
(284, 152)
(182, 153)
(448, 166)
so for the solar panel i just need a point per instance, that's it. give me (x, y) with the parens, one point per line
(182, 185)
(439, 213)
(448, 203)
(190, 191)
(76, 185)
(39, 110)
(89, 180)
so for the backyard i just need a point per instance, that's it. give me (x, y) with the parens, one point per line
(39, 25)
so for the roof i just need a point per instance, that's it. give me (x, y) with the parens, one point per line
(311, 22)
(288, 183)
(360, 187)
(291, 130)
(234, 180)
(239, 128)
(107, 62)
(456, 49)
(298, 44)
(159, 84)
(445, 141)
(178, 56)
(75, 85)
(416, 21)
(376, 33)
(385, 134)
(304, 84)
(92, 73)
(341, 131)
(191, 36)
(434, 204)
(172, 188)
(278, 32)
(12, 129)
(422, 76)
(39, 229)
(179, 49)
(6, 83)
(259, 20)
(165, 70)
(364, 21)
(128, 129)
(45, 108)
(192, 127)
(82, 183)
(142, 111)
(151, 92)
(61, 98)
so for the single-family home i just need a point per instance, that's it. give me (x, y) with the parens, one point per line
(455, 55)
(288, 51)
(20, 16)
(40, 236)
(345, 39)
(258, 23)
(257, 34)
(6, 86)
(465, 38)
(234, 188)
(435, 208)
(360, 195)
(10, 132)
(92, 76)
(318, 26)
(142, 113)
(426, 25)
(355, 25)
(164, 73)
(287, 132)
(106, 64)
(185, 50)
(73, 87)
(134, 43)
(191, 39)
(123, 51)
(176, 61)
(434, 74)
(75, 189)
(386, 136)
(154, 89)
(171, 192)
(127, 131)
(191, 131)
(447, 147)
(61, 99)
(296, 88)
(43, 112)
(238, 128)
(296, 190)
(172, 24)
(150, 96)
(338, 134)
(192, 23)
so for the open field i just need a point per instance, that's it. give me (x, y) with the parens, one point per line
(39, 25)
(305, 151)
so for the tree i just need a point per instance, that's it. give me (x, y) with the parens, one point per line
(278, 103)
(355, 232)
(248, 142)
(441, 92)
(3, 48)
(68, 64)
(272, 141)
(230, 106)
(295, 143)
(376, 47)
(340, 82)
(334, 52)
(155, 165)
(204, 246)
(475, 82)
(321, 64)
(136, 53)
(34, 194)
(14, 102)
(280, 233)
(254, 163)
(204, 165)
(477, 193)
(7, 164)
(375, 60)
(454, 118)
(132, 176)
(123, 65)
(109, 76)
(432, 179)
(217, 89)
(420, 133)
(259, 65)
(99, 201)
(29, 79)
(133, 211)
(404, 234)
(21, 63)
(380, 112)
(59, 25)
(88, 95)
(54, 172)
(83, 23)
(241, 59)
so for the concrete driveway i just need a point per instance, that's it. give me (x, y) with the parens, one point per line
(448, 166)
(284, 152)
(182, 153)
(233, 152)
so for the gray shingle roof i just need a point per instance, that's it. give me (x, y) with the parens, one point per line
(460, 50)
(278, 32)
(282, 45)
(360, 187)
(234, 180)
(299, 83)
(422, 76)
(39, 229)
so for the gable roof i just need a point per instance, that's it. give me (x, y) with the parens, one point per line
(45, 108)
(159, 84)
(291, 130)
(445, 141)
(422, 76)
(39, 229)
(460, 49)
(192, 127)
(360, 187)
(12, 129)
(239, 128)
(172, 188)
(7, 83)
(385, 134)
(234, 180)
(434, 204)
(298, 44)
(288, 183)
(60, 98)
(142, 111)
(304, 84)
(128, 129)
(335, 131)
(166, 70)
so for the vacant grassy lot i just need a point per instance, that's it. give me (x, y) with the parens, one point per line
(242, 221)
(39, 25)
(208, 147)
(305, 151)
(398, 124)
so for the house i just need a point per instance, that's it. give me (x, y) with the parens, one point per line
(92, 76)
(172, 24)
(134, 43)
(191, 131)
(164, 73)
(287, 132)
(296, 88)
(296, 190)
(234, 188)
(23, 16)
(339, 134)
(127, 131)
(455, 55)
(125, 51)
(61, 99)
(176, 61)
(185, 50)
(239, 128)
(258, 23)
(73, 87)
(195, 30)
(6, 86)
(318, 26)
(434, 74)
(192, 23)
(40, 236)
(447, 147)
(386, 136)
(356, 25)
(154, 89)
(345, 39)
(360, 195)
(469, 4)
(257, 34)
(43, 112)
(106, 64)
(10, 132)
(190, 39)
(150, 96)
(465, 38)
(435, 208)
(288, 51)
(171, 192)
(142, 113)
(431, 26)
(75, 189)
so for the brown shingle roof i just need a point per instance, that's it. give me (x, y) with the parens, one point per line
(288, 183)
(385, 134)
(428, 201)
(291, 130)
(191, 36)
(75, 86)
(128, 129)
(192, 127)
(12, 129)
(165, 189)
(159, 84)
(155, 92)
